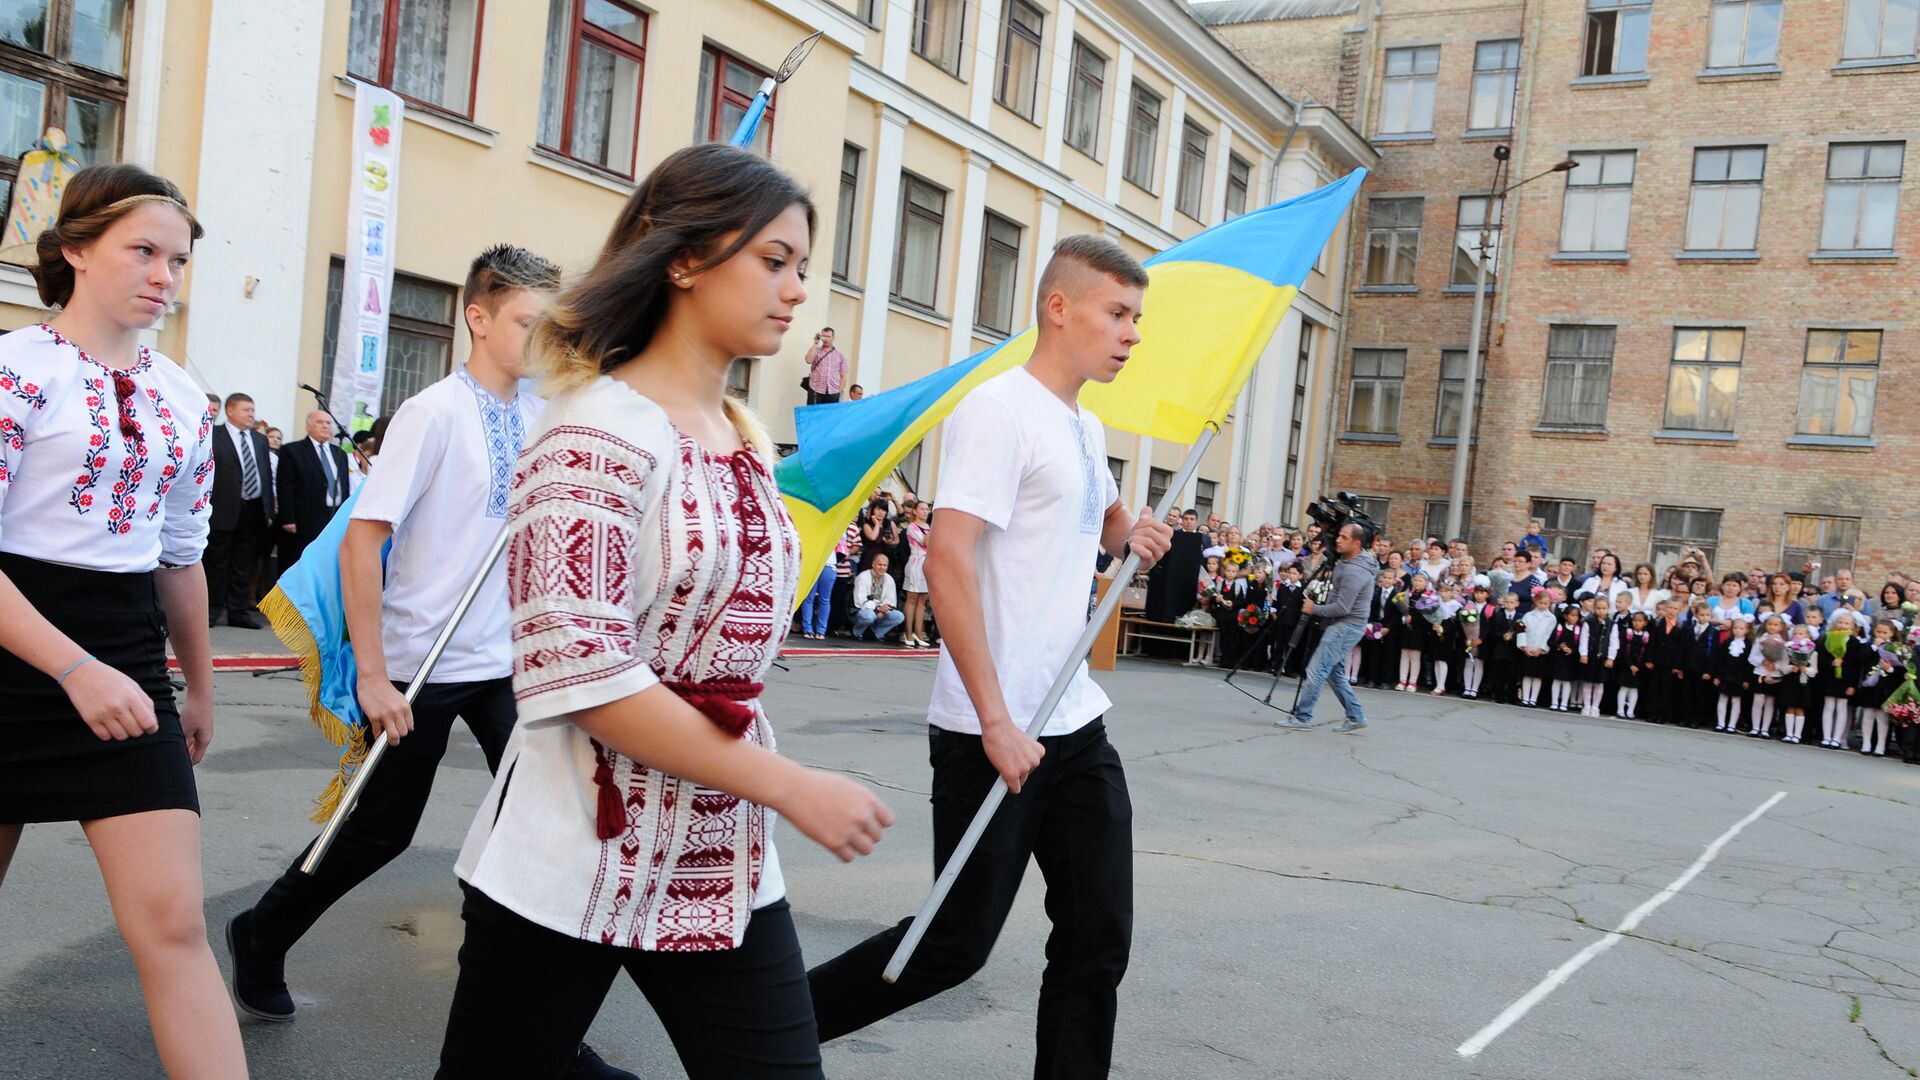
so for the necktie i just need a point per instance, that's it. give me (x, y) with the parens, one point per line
(249, 470)
(333, 479)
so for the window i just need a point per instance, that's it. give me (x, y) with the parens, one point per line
(1375, 507)
(1436, 520)
(1725, 211)
(1019, 86)
(1616, 37)
(1143, 133)
(1569, 528)
(1863, 196)
(1296, 423)
(1239, 184)
(1467, 249)
(938, 29)
(63, 63)
(590, 92)
(843, 226)
(420, 319)
(1158, 480)
(1193, 170)
(1084, 98)
(740, 377)
(1373, 402)
(427, 51)
(727, 89)
(1579, 371)
(999, 271)
(1837, 384)
(1406, 101)
(1704, 379)
(1393, 240)
(1453, 385)
(1203, 497)
(1599, 194)
(1744, 33)
(1880, 29)
(916, 271)
(1675, 529)
(1496, 67)
(1829, 541)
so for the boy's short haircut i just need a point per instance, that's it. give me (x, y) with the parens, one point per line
(1077, 260)
(502, 269)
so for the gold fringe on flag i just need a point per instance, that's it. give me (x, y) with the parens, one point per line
(293, 632)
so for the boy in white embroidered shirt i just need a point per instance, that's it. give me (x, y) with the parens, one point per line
(1026, 504)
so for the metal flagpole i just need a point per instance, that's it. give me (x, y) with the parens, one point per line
(1101, 614)
(360, 775)
(749, 123)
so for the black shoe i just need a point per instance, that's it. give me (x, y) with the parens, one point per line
(245, 622)
(591, 1066)
(215, 617)
(259, 978)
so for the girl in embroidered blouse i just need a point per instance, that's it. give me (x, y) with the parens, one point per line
(104, 476)
(652, 570)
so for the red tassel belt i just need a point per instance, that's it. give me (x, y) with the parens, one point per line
(725, 703)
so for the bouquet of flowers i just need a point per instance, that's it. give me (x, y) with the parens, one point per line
(1239, 556)
(1498, 581)
(1209, 597)
(1800, 655)
(1196, 620)
(1376, 632)
(1913, 636)
(1903, 705)
(1908, 610)
(1774, 652)
(1250, 618)
(1428, 605)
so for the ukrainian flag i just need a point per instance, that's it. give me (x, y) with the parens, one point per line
(310, 617)
(1212, 304)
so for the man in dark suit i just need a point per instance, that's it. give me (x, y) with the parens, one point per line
(313, 485)
(242, 512)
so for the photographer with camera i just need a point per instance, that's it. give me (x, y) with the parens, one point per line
(1344, 614)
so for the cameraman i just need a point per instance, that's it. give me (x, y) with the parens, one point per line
(1344, 616)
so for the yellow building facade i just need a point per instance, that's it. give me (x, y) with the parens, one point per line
(947, 145)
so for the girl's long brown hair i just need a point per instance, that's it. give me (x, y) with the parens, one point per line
(703, 202)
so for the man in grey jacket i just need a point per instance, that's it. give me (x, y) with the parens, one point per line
(1344, 619)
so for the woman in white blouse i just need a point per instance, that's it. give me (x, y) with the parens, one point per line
(1646, 592)
(105, 470)
(652, 570)
(1606, 582)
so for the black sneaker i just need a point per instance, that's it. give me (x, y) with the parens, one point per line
(591, 1066)
(259, 979)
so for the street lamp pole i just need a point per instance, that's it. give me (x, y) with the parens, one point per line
(1463, 437)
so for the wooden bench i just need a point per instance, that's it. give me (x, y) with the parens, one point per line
(1134, 628)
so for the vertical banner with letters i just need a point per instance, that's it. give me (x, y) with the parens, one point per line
(366, 283)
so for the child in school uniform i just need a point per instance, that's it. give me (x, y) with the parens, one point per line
(1796, 687)
(1816, 692)
(1844, 660)
(1593, 662)
(1733, 672)
(1498, 649)
(1445, 639)
(1379, 649)
(1769, 674)
(1630, 657)
(1617, 624)
(1536, 635)
(1567, 653)
(1474, 618)
(1666, 664)
(1882, 673)
(1702, 639)
(1413, 632)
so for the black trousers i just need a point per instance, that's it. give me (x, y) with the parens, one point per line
(1073, 816)
(229, 564)
(527, 995)
(840, 605)
(382, 825)
(814, 398)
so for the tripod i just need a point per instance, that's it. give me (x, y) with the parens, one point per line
(1322, 572)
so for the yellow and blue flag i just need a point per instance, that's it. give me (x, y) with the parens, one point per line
(1212, 303)
(310, 617)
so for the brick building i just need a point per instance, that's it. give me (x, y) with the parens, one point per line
(1701, 335)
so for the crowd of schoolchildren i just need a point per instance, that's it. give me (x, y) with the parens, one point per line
(1783, 655)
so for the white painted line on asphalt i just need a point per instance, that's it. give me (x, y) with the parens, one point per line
(1565, 971)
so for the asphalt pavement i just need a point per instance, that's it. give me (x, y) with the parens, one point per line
(1309, 904)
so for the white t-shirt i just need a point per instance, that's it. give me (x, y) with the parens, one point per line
(446, 464)
(1035, 470)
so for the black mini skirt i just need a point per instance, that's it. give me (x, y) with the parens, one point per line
(52, 766)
